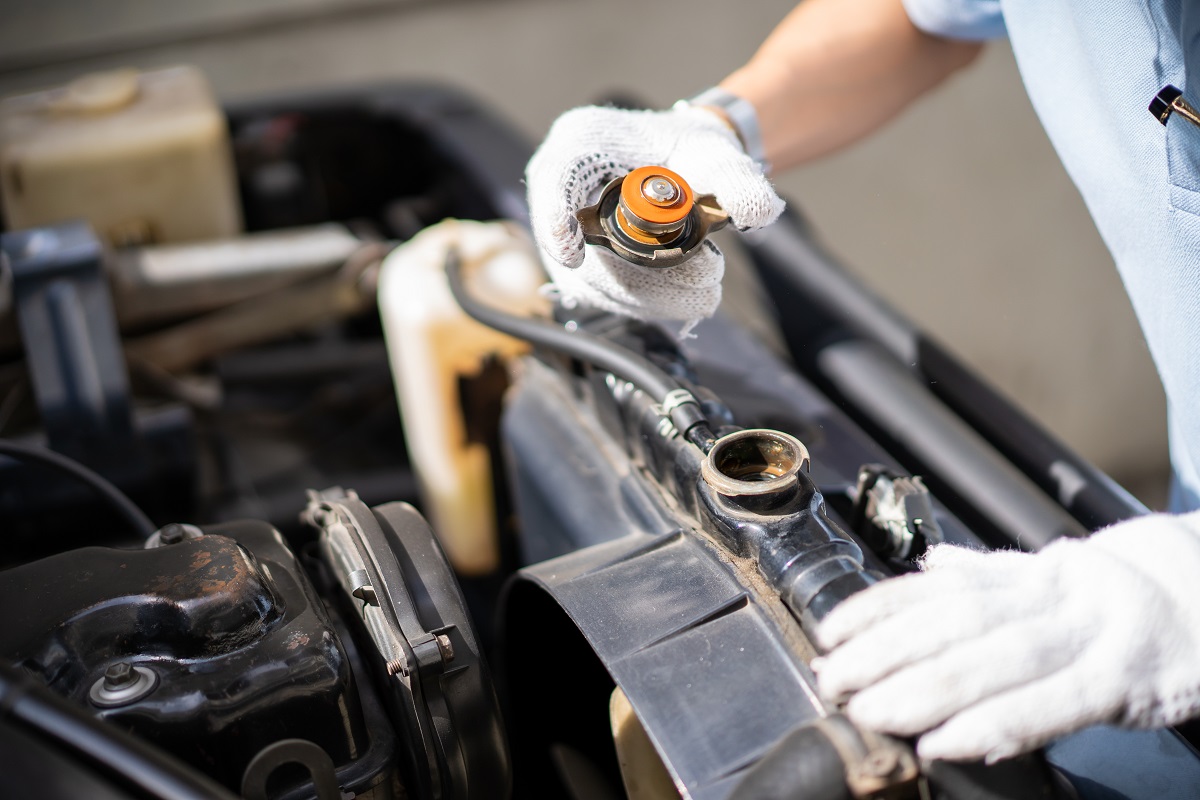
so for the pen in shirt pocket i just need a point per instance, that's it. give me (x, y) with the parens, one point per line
(1169, 100)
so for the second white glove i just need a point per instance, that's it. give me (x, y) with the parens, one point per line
(998, 653)
(588, 147)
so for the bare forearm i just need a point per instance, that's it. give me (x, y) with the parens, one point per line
(835, 70)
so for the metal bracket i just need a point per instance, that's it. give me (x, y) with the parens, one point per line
(72, 348)
(393, 574)
(893, 513)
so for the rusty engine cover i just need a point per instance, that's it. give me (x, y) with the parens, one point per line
(243, 651)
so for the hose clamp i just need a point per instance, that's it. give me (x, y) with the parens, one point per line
(675, 399)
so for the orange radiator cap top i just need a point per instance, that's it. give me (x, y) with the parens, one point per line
(657, 195)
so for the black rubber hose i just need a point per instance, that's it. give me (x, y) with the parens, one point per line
(586, 347)
(804, 763)
(114, 496)
(102, 745)
(1027, 777)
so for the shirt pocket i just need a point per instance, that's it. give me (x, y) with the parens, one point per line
(1183, 164)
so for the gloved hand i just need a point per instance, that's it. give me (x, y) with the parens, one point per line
(998, 653)
(588, 147)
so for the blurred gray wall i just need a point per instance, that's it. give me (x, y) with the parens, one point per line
(959, 212)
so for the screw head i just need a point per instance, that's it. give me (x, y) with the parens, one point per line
(119, 674)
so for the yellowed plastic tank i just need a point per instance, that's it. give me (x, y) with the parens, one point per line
(642, 769)
(432, 345)
(143, 157)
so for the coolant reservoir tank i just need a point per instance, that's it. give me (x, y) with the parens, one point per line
(433, 348)
(144, 157)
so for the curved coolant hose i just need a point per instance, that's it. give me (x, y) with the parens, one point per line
(677, 403)
(111, 494)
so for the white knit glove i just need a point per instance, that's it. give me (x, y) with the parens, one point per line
(998, 653)
(588, 147)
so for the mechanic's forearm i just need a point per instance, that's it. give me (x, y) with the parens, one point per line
(835, 70)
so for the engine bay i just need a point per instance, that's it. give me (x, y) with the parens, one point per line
(342, 505)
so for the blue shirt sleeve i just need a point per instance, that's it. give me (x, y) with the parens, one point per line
(958, 19)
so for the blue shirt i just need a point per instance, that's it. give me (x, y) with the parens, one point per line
(1091, 68)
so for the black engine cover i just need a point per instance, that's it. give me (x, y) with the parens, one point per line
(242, 650)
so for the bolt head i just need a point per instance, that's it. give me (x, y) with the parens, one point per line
(446, 647)
(122, 684)
(172, 533)
(119, 674)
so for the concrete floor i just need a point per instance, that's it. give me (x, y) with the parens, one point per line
(959, 212)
